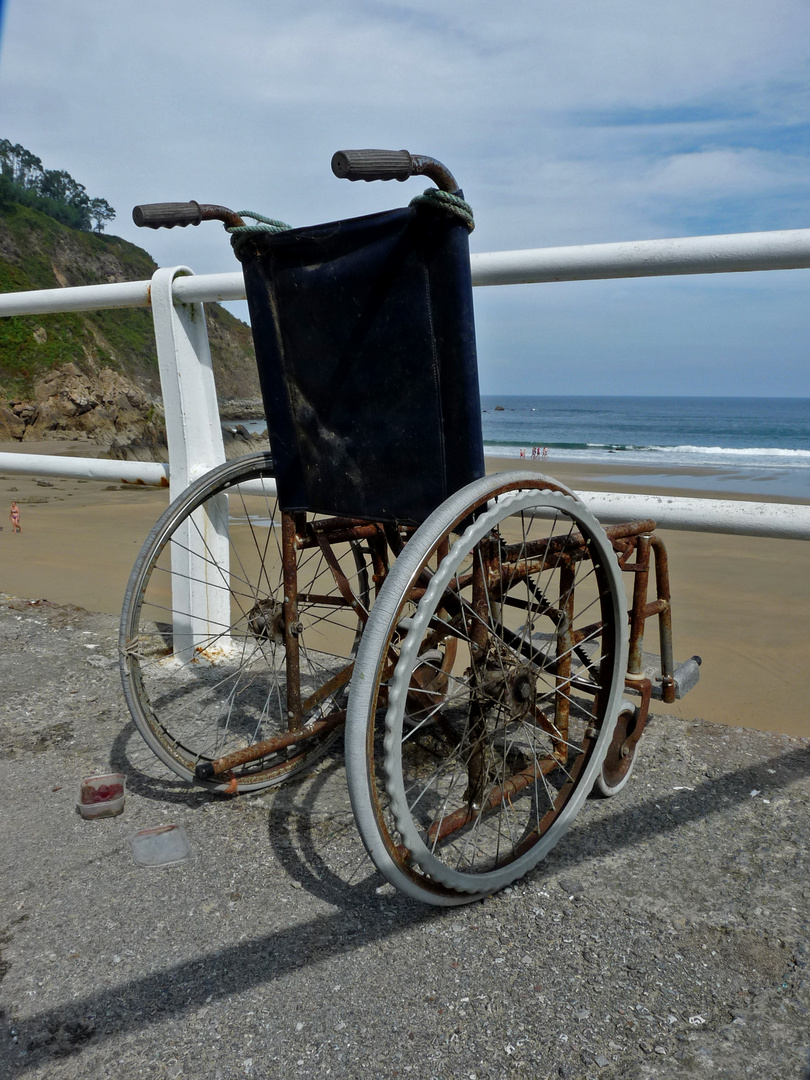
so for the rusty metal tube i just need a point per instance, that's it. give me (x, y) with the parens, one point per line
(457, 819)
(638, 613)
(661, 561)
(289, 552)
(209, 770)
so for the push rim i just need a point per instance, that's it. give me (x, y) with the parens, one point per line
(398, 839)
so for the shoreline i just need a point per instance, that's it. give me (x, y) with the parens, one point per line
(683, 480)
(742, 603)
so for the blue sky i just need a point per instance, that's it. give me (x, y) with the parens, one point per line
(571, 123)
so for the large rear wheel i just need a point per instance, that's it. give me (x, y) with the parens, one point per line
(487, 685)
(223, 647)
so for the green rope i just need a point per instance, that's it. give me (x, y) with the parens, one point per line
(433, 197)
(451, 204)
(240, 234)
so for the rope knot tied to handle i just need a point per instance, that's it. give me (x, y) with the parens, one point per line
(452, 204)
(241, 234)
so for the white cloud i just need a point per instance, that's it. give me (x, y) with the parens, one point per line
(721, 173)
(566, 123)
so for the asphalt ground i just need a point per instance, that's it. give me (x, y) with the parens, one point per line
(666, 936)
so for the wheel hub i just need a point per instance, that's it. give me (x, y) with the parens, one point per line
(523, 692)
(266, 621)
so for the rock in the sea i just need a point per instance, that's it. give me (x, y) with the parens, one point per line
(239, 441)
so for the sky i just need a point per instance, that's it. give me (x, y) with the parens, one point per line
(565, 123)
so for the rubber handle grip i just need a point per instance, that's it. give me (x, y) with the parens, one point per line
(372, 165)
(167, 215)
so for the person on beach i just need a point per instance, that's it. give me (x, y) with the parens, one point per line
(545, 452)
(14, 514)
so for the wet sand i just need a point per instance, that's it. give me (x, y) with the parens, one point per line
(742, 603)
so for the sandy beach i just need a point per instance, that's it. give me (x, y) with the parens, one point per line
(741, 603)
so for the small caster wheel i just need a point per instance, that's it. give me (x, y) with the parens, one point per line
(620, 759)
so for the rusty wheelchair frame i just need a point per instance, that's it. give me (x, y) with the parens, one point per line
(482, 664)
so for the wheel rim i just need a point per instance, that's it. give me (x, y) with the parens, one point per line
(224, 689)
(483, 786)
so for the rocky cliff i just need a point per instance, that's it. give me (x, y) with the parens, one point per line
(94, 375)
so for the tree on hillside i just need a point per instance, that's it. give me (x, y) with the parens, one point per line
(58, 185)
(100, 213)
(19, 165)
(28, 167)
(51, 191)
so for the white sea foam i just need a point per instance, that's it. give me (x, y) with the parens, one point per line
(696, 456)
(795, 456)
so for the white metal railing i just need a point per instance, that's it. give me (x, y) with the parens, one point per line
(192, 421)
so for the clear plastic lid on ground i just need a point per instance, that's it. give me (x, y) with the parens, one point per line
(161, 845)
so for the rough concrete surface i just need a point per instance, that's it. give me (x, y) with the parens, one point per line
(666, 936)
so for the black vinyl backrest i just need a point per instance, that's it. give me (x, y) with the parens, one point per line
(365, 341)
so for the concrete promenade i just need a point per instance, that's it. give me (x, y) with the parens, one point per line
(666, 937)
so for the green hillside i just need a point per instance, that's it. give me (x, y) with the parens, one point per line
(38, 252)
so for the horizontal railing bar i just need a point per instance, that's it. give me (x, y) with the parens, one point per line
(784, 521)
(118, 294)
(125, 472)
(732, 253)
(206, 287)
(79, 468)
(776, 520)
(122, 294)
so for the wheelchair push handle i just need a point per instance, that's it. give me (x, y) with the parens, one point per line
(170, 215)
(391, 165)
(346, 164)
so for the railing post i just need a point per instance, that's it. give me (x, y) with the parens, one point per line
(193, 430)
(200, 597)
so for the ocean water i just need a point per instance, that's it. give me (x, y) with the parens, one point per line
(759, 446)
(756, 445)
